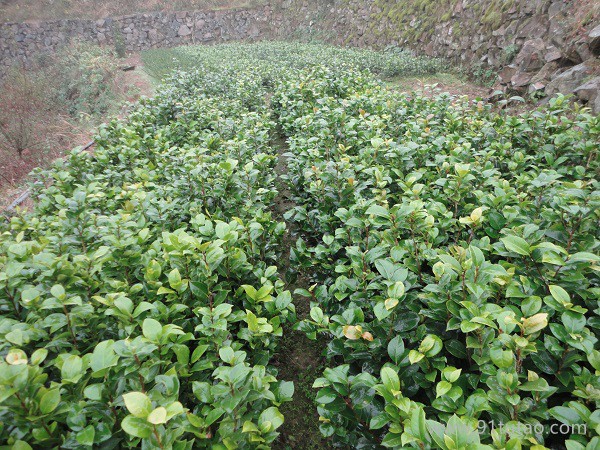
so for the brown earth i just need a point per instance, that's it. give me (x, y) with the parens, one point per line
(129, 86)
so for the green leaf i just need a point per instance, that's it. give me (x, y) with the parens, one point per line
(174, 278)
(152, 330)
(138, 404)
(213, 416)
(565, 415)
(390, 379)
(58, 291)
(72, 369)
(86, 436)
(316, 314)
(378, 211)
(136, 427)
(103, 356)
(574, 445)
(442, 388)
(39, 356)
(531, 305)
(415, 356)
(227, 354)
(437, 430)
(418, 425)
(517, 245)
(559, 294)
(50, 401)
(378, 422)
(574, 322)
(273, 416)
(501, 358)
(392, 440)
(250, 291)
(431, 345)
(28, 295)
(396, 349)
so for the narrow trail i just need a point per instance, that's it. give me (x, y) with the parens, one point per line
(299, 359)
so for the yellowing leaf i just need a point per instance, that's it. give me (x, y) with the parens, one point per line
(390, 303)
(353, 332)
(535, 323)
(158, 416)
(367, 336)
(476, 214)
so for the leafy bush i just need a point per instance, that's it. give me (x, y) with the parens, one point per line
(456, 255)
(453, 251)
(140, 305)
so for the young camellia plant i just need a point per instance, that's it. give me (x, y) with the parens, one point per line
(458, 281)
(140, 302)
(452, 252)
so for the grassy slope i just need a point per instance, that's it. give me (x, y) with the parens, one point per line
(22, 10)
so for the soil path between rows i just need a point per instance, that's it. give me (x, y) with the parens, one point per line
(299, 359)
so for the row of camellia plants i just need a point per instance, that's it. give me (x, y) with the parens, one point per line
(454, 252)
(140, 304)
(455, 258)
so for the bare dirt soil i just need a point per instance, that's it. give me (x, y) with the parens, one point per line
(129, 87)
(432, 85)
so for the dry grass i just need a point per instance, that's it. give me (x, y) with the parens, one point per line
(23, 10)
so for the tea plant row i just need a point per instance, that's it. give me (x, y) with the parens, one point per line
(453, 250)
(457, 268)
(140, 304)
(274, 58)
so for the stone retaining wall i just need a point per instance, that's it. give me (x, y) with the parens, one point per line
(535, 45)
(20, 42)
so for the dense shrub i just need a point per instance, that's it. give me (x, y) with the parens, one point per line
(140, 303)
(270, 57)
(457, 265)
(453, 253)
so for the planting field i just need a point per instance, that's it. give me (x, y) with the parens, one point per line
(443, 256)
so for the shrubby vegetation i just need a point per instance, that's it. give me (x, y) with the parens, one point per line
(140, 303)
(270, 59)
(457, 255)
(453, 251)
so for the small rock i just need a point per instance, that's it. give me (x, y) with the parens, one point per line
(533, 28)
(545, 74)
(521, 79)
(506, 74)
(594, 42)
(569, 80)
(552, 54)
(184, 30)
(588, 91)
(531, 56)
(536, 87)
